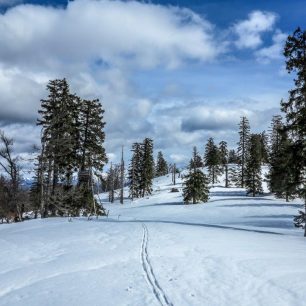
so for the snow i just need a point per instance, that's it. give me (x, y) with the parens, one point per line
(233, 250)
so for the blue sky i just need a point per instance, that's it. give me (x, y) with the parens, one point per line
(176, 71)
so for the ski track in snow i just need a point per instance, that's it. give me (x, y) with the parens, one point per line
(147, 267)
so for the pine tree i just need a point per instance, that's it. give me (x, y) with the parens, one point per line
(244, 135)
(161, 165)
(223, 156)
(147, 171)
(111, 184)
(295, 109)
(92, 135)
(212, 161)
(197, 160)
(253, 161)
(276, 127)
(282, 169)
(234, 176)
(264, 147)
(135, 171)
(232, 157)
(122, 178)
(59, 136)
(72, 141)
(196, 184)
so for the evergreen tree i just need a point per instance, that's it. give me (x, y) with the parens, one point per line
(253, 161)
(197, 160)
(295, 109)
(147, 173)
(264, 147)
(232, 157)
(212, 161)
(234, 176)
(72, 141)
(59, 137)
(223, 157)
(135, 171)
(276, 127)
(161, 165)
(281, 176)
(244, 135)
(92, 135)
(196, 184)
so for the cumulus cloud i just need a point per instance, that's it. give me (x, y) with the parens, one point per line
(96, 45)
(249, 31)
(99, 46)
(273, 52)
(108, 32)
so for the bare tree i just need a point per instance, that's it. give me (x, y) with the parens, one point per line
(10, 166)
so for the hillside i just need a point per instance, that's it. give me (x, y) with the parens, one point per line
(233, 250)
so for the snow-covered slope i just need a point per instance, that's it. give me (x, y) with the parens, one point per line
(233, 250)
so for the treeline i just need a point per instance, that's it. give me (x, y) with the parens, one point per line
(283, 149)
(141, 171)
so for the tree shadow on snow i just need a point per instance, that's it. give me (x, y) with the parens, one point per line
(240, 199)
(264, 205)
(161, 204)
(192, 224)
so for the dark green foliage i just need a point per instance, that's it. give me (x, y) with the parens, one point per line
(135, 171)
(295, 109)
(244, 135)
(141, 169)
(282, 170)
(232, 157)
(196, 161)
(92, 135)
(264, 147)
(72, 142)
(196, 184)
(274, 135)
(253, 162)
(161, 165)
(147, 174)
(234, 176)
(212, 161)
(223, 158)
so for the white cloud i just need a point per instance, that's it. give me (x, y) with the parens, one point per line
(101, 47)
(111, 32)
(249, 31)
(273, 52)
(179, 158)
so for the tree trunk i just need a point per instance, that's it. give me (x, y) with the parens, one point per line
(226, 176)
(305, 213)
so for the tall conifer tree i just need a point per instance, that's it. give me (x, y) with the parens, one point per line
(295, 109)
(161, 165)
(223, 154)
(196, 184)
(244, 136)
(212, 161)
(253, 162)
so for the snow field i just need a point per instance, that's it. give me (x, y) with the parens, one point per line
(233, 250)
